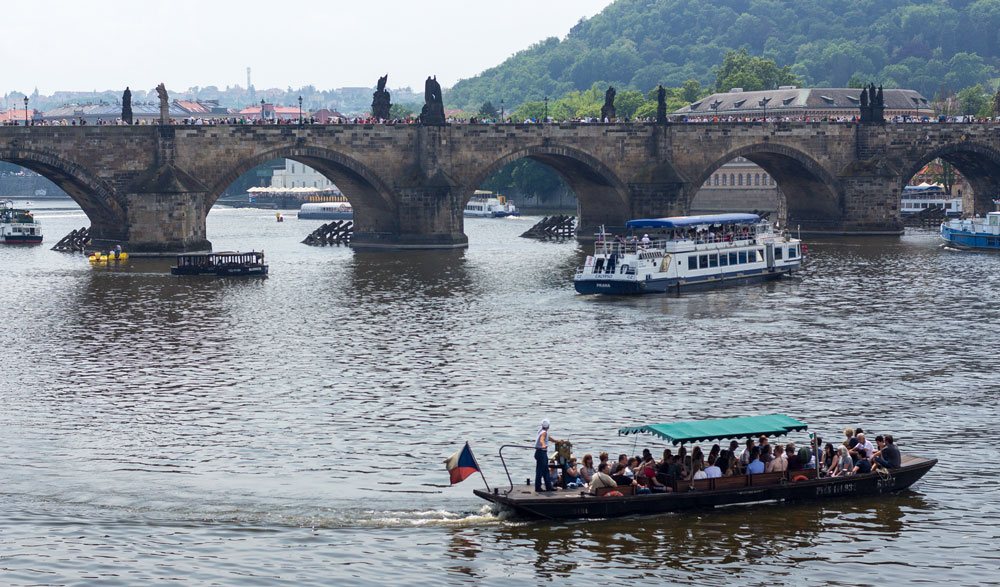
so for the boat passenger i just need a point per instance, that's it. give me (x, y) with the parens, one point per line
(779, 464)
(662, 466)
(733, 447)
(829, 456)
(602, 479)
(699, 472)
(745, 455)
(865, 446)
(861, 466)
(642, 485)
(645, 241)
(755, 466)
(848, 435)
(806, 458)
(571, 476)
(844, 462)
(763, 442)
(714, 453)
(554, 479)
(620, 466)
(712, 471)
(587, 468)
(888, 456)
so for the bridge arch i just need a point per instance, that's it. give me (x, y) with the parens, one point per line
(602, 197)
(813, 195)
(96, 197)
(374, 206)
(979, 164)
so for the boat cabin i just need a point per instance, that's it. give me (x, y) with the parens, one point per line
(222, 264)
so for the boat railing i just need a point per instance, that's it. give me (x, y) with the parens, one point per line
(504, 463)
(629, 247)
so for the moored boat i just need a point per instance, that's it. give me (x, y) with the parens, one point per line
(686, 252)
(17, 226)
(221, 264)
(973, 233)
(805, 484)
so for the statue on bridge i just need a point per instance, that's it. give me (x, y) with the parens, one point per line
(432, 113)
(661, 105)
(127, 106)
(381, 104)
(872, 105)
(608, 110)
(996, 104)
(161, 90)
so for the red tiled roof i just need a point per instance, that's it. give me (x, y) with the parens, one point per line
(15, 114)
(191, 106)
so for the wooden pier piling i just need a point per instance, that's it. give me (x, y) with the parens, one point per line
(337, 233)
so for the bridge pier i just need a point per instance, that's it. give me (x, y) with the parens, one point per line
(427, 217)
(166, 223)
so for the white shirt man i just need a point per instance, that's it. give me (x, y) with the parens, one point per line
(865, 445)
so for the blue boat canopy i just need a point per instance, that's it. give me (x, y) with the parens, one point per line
(720, 429)
(686, 221)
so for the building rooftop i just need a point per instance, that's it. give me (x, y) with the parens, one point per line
(793, 100)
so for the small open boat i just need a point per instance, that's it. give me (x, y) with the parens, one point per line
(803, 484)
(221, 264)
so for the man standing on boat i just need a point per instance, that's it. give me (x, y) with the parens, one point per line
(542, 457)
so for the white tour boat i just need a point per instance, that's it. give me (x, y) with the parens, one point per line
(18, 227)
(486, 205)
(919, 198)
(685, 252)
(326, 211)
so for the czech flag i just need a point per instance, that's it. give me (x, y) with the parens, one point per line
(462, 464)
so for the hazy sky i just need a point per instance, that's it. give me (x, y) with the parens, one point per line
(57, 44)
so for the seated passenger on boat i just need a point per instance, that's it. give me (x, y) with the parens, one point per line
(571, 475)
(602, 478)
(864, 446)
(712, 471)
(861, 466)
(843, 464)
(755, 466)
(779, 463)
(587, 468)
(887, 456)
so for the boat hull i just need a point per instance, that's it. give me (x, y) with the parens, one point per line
(21, 239)
(221, 271)
(969, 240)
(620, 287)
(566, 505)
(326, 215)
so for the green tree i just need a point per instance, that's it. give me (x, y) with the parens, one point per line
(400, 111)
(974, 101)
(739, 69)
(691, 91)
(487, 110)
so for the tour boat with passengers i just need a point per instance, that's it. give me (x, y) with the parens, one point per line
(685, 252)
(18, 227)
(625, 500)
(227, 264)
(973, 233)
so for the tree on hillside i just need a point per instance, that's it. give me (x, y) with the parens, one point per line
(741, 70)
(974, 101)
(487, 110)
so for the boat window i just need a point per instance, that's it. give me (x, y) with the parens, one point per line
(723, 260)
(713, 260)
(733, 258)
(793, 252)
(703, 262)
(692, 262)
(599, 266)
(778, 252)
(743, 257)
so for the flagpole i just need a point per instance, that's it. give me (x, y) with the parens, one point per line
(480, 469)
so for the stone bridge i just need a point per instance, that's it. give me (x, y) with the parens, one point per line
(150, 187)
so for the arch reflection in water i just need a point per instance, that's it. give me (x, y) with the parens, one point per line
(710, 547)
(417, 274)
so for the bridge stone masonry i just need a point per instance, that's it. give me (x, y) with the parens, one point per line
(150, 188)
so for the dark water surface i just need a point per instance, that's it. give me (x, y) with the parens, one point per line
(157, 429)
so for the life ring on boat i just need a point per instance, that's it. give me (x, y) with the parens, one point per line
(798, 478)
(614, 493)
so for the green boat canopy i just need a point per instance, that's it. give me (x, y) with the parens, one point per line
(719, 429)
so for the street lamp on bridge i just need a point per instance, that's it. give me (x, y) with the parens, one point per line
(546, 119)
(502, 118)
(763, 104)
(262, 110)
(300, 110)
(25, 111)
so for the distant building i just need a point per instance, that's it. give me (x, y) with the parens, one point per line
(272, 112)
(18, 115)
(789, 101)
(739, 186)
(299, 175)
(326, 116)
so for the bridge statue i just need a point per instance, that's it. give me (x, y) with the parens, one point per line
(872, 105)
(996, 104)
(608, 110)
(432, 113)
(661, 105)
(161, 90)
(381, 104)
(127, 106)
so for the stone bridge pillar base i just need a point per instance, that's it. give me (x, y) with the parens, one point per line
(166, 223)
(870, 208)
(429, 216)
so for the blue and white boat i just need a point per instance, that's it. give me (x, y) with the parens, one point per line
(688, 252)
(326, 211)
(973, 233)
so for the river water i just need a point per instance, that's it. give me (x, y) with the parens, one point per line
(291, 431)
